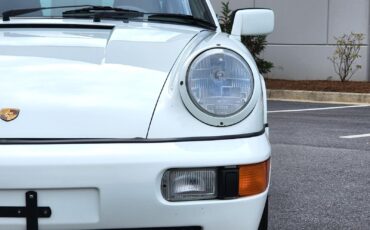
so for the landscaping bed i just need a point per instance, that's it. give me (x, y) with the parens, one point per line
(328, 86)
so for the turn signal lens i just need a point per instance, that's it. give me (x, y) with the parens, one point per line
(253, 179)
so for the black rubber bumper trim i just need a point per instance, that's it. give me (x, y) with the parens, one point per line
(50, 141)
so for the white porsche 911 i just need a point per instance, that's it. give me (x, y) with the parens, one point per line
(131, 114)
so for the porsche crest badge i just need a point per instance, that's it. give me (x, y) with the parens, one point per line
(9, 114)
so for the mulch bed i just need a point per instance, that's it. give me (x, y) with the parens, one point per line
(328, 86)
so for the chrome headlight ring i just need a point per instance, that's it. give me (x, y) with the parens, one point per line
(218, 87)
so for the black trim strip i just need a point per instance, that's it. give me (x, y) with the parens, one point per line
(266, 125)
(57, 26)
(53, 141)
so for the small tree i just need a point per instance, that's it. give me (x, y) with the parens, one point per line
(255, 44)
(347, 51)
(225, 18)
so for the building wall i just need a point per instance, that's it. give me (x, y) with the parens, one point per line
(304, 35)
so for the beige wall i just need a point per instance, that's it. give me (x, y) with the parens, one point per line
(305, 31)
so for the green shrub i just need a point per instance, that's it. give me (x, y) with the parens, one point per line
(347, 51)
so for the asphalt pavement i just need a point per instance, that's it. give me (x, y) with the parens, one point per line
(320, 166)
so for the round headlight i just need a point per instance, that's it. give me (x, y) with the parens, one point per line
(220, 82)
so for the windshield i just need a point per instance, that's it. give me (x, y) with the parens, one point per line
(196, 8)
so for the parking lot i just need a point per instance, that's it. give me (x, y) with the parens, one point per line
(320, 166)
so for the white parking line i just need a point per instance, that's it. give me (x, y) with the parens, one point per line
(356, 136)
(318, 109)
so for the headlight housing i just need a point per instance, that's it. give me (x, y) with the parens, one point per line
(218, 87)
(189, 184)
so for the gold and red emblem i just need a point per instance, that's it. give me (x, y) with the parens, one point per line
(9, 114)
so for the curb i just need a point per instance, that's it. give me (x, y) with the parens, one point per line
(318, 96)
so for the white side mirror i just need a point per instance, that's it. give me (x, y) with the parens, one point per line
(253, 22)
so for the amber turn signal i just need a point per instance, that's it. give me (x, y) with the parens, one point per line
(254, 178)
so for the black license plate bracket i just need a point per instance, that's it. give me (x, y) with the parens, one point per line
(31, 211)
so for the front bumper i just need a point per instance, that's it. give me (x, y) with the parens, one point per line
(117, 186)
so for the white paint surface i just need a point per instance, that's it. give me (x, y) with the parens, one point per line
(128, 178)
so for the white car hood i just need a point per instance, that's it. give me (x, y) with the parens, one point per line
(85, 83)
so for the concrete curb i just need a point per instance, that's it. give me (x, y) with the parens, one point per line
(318, 96)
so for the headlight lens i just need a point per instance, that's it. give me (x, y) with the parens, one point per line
(220, 82)
(189, 184)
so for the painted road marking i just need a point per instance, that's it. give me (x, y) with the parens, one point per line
(318, 109)
(356, 136)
